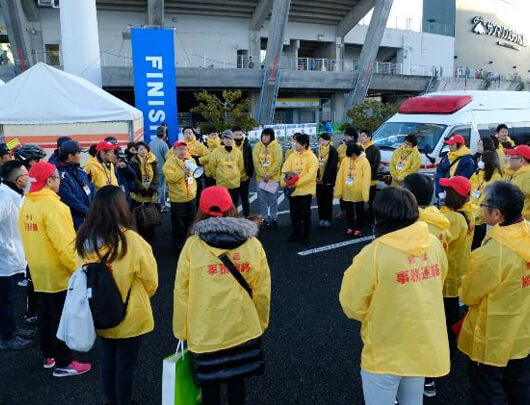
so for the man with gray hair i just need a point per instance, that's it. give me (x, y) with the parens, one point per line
(160, 149)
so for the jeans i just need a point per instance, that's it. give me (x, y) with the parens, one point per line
(50, 310)
(382, 389)
(325, 202)
(234, 193)
(268, 200)
(7, 307)
(211, 392)
(300, 210)
(182, 216)
(490, 385)
(162, 190)
(118, 367)
(243, 193)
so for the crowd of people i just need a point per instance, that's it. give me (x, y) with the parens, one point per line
(445, 245)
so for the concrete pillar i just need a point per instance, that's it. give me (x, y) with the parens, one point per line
(254, 47)
(80, 39)
(155, 12)
(280, 14)
(291, 53)
(16, 30)
(337, 106)
(363, 75)
(254, 104)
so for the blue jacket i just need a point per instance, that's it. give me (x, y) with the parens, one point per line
(76, 190)
(465, 167)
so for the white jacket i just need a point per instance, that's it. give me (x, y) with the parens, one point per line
(12, 257)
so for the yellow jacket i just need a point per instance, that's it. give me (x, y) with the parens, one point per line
(497, 291)
(48, 236)
(100, 174)
(341, 150)
(403, 162)
(147, 173)
(182, 188)
(227, 167)
(452, 156)
(478, 192)
(521, 178)
(305, 165)
(136, 271)
(213, 143)
(438, 224)
(502, 158)
(268, 160)
(197, 149)
(394, 288)
(210, 309)
(459, 247)
(353, 180)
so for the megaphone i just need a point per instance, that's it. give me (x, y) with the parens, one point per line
(197, 171)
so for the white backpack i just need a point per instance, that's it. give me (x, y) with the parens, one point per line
(76, 327)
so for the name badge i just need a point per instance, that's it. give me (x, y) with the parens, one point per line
(349, 181)
(190, 180)
(399, 166)
(476, 194)
(266, 163)
(321, 163)
(86, 189)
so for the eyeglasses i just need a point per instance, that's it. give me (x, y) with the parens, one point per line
(55, 177)
(491, 207)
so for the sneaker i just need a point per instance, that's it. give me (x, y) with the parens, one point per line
(349, 232)
(321, 222)
(326, 224)
(23, 282)
(15, 343)
(357, 233)
(429, 390)
(32, 319)
(341, 215)
(274, 224)
(73, 369)
(49, 362)
(25, 333)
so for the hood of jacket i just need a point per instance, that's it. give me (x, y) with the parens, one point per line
(433, 216)
(463, 151)
(213, 143)
(92, 161)
(151, 158)
(515, 237)
(413, 240)
(225, 232)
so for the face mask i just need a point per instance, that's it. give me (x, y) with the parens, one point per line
(228, 148)
(481, 165)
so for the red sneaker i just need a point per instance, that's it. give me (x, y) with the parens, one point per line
(49, 362)
(349, 232)
(357, 233)
(74, 368)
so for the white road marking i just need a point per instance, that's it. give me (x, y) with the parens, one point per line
(334, 246)
(253, 197)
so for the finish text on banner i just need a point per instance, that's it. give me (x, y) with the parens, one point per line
(155, 88)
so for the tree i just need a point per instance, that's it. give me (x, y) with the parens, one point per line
(371, 114)
(223, 114)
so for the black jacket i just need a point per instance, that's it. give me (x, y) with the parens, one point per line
(374, 157)
(247, 158)
(135, 166)
(330, 172)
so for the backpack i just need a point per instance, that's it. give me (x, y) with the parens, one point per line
(76, 327)
(104, 298)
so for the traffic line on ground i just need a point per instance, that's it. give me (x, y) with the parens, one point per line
(253, 197)
(335, 246)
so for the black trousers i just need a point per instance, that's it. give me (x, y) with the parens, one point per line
(490, 385)
(118, 367)
(354, 214)
(478, 236)
(325, 202)
(182, 216)
(208, 182)
(342, 205)
(7, 307)
(50, 310)
(234, 193)
(243, 193)
(300, 210)
(200, 187)
(211, 393)
(31, 300)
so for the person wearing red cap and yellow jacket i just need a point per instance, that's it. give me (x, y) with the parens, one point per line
(520, 165)
(394, 288)
(405, 160)
(182, 192)
(495, 333)
(227, 164)
(196, 149)
(48, 236)
(101, 170)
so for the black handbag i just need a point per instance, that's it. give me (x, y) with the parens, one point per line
(240, 361)
(148, 216)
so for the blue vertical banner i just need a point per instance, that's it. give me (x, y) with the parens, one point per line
(155, 83)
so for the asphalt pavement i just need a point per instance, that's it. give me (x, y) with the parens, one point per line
(312, 350)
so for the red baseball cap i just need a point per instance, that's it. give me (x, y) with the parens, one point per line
(178, 144)
(38, 174)
(456, 139)
(460, 184)
(521, 150)
(105, 145)
(215, 201)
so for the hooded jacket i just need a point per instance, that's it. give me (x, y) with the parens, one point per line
(394, 288)
(146, 178)
(459, 246)
(404, 161)
(248, 164)
(438, 224)
(197, 149)
(12, 257)
(305, 165)
(328, 161)
(459, 163)
(99, 173)
(213, 144)
(227, 167)
(341, 151)
(373, 154)
(496, 328)
(268, 160)
(76, 190)
(48, 236)
(353, 180)
(136, 271)
(211, 310)
(521, 178)
(478, 193)
(182, 188)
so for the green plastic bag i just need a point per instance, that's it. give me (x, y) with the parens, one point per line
(178, 387)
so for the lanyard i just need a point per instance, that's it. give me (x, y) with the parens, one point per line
(108, 176)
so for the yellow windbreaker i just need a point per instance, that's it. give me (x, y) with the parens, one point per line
(438, 224)
(521, 178)
(182, 188)
(227, 167)
(478, 193)
(210, 309)
(497, 290)
(404, 161)
(147, 174)
(459, 248)
(502, 158)
(197, 149)
(244, 175)
(341, 150)
(136, 271)
(100, 174)
(267, 160)
(48, 236)
(305, 165)
(394, 288)
(213, 143)
(353, 180)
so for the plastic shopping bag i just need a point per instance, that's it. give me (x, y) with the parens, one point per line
(178, 387)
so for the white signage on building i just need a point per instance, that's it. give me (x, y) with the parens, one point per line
(483, 27)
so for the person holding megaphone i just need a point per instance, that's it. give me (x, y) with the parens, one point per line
(181, 173)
